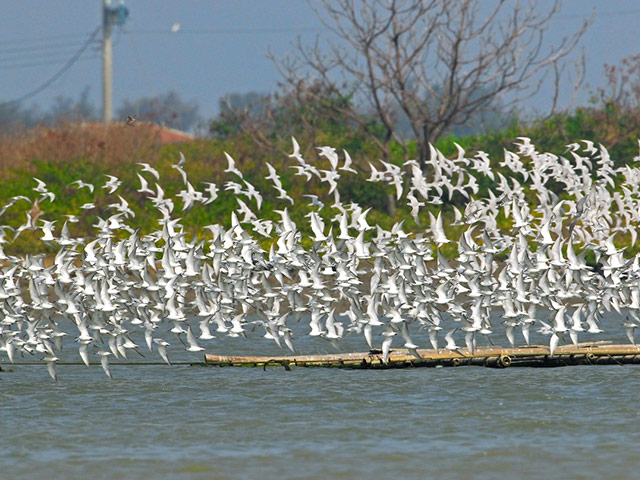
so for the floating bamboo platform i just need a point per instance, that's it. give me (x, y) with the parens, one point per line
(598, 353)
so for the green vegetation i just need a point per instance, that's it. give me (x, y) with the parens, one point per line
(206, 163)
(67, 152)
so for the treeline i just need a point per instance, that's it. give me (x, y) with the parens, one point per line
(168, 109)
(260, 131)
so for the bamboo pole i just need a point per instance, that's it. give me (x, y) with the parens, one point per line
(598, 353)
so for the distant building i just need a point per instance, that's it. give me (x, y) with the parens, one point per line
(170, 135)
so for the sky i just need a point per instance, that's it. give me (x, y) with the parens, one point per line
(220, 46)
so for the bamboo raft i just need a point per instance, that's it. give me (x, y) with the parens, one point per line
(597, 353)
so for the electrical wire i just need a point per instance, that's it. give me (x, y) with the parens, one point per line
(20, 66)
(45, 40)
(139, 61)
(39, 48)
(596, 14)
(59, 73)
(46, 56)
(225, 31)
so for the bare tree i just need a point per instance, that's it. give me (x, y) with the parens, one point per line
(66, 109)
(437, 62)
(616, 106)
(270, 119)
(166, 109)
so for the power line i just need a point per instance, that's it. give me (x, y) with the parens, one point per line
(596, 15)
(59, 73)
(38, 48)
(25, 41)
(618, 13)
(20, 66)
(62, 54)
(139, 61)
(225, 31)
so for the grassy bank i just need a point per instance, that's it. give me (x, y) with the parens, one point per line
(62, 155)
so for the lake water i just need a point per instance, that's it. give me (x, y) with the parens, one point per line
(161, 422)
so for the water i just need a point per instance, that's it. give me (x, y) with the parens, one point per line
(195, 422)
(156, 421)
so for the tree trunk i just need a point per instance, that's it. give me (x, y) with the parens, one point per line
(391, 204)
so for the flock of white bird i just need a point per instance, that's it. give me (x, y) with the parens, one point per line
(353, 277)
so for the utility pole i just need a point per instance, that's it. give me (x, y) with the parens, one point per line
(106, 63)
(110, 16)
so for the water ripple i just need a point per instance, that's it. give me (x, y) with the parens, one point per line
(184, 422)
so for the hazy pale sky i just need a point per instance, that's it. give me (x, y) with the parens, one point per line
(220, 46)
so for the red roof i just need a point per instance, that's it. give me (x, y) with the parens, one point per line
(171, 135)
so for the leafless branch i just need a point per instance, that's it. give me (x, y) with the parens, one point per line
(435, 62)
